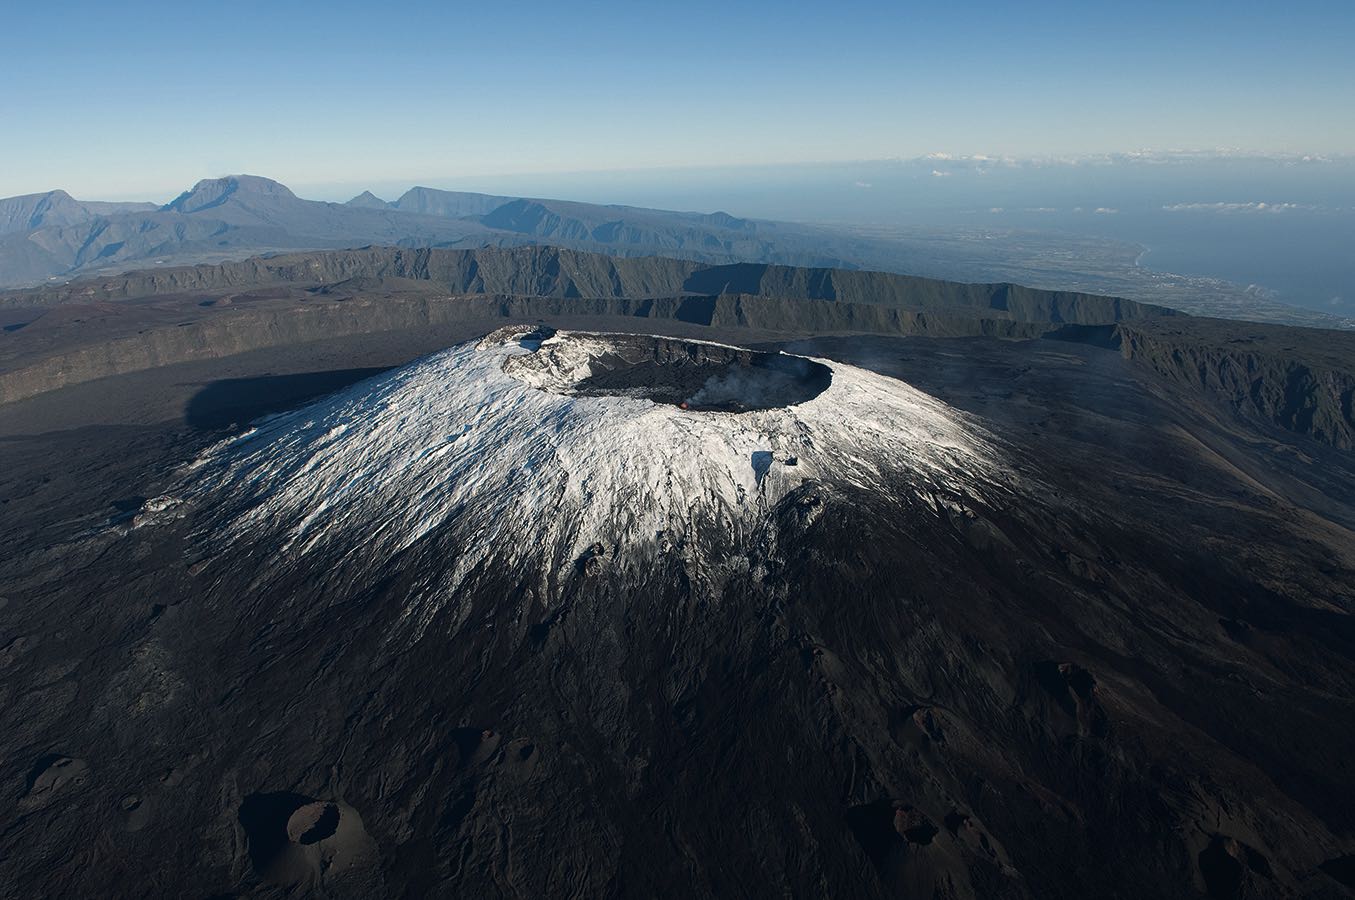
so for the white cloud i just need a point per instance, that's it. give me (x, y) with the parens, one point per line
(1254, 206)
(937, 173)
(863, 184)
(1144, 157)
(1106, 210)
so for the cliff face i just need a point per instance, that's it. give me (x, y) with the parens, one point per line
(910, 292)
(1302, 380)
(553, 272)
(232, 331)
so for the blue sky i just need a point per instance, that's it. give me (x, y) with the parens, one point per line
(143, 98)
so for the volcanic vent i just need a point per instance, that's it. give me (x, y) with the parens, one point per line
(694, 375)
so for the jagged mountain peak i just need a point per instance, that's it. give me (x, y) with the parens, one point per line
(368, 200)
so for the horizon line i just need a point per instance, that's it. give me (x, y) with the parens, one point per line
(1146, 155)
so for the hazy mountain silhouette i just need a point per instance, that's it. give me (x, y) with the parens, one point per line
(53, 236)
(55, 208)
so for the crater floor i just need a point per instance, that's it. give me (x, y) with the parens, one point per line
(694, 375)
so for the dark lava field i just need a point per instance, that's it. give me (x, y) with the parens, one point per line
(1054, 600)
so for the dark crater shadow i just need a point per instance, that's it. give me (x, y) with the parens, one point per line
(264, 818)
(702, 377)
(1342, 868)
(313, 823)
(234, 402)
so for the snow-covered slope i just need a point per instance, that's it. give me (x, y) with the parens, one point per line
(488, 440)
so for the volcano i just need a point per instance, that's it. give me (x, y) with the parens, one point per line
(532, 452)
(571, 613)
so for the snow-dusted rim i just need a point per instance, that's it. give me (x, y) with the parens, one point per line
(530, 477)
(738, 380)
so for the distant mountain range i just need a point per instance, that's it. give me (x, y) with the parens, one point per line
(50, 237)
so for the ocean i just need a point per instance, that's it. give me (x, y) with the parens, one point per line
(1284, 226)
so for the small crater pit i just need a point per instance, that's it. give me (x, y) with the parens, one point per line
(300, 842)
(887, 827)
(689, 375)
(913, 826)
(51, 775)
